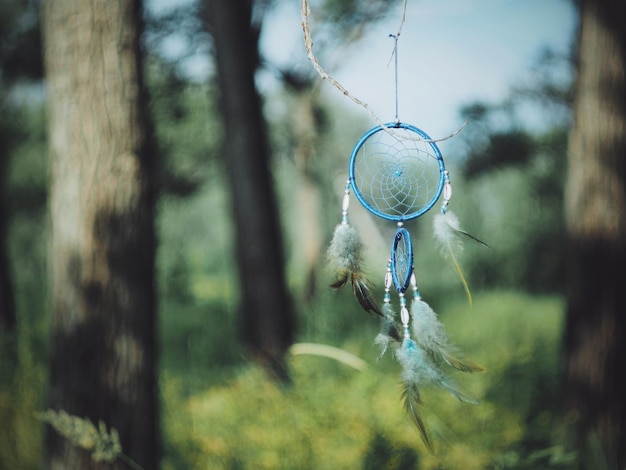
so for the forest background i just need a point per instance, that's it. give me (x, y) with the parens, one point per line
(222, 403)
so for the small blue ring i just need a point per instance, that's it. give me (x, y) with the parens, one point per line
(402, 285)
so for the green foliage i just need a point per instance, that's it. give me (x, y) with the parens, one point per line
(514, 168)
(344, 14)
(104, 445)
(21, 387)
(335, 417)
(20, 41)
(187, 129)
(23, 374)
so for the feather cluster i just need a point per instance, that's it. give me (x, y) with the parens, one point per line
(344, 258)
(419, 370)
(422, 357)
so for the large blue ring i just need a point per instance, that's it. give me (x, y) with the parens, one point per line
(355, 186)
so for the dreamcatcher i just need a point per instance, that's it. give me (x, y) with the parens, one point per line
(397, 172)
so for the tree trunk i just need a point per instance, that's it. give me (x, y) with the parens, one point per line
(267, 319)
(102, 332)
(7, 306)
(308, 236)
(595, 338)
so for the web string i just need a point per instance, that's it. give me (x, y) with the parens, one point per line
(396, 176)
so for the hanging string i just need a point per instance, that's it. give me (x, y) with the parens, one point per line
(395, 55)
(305, 11)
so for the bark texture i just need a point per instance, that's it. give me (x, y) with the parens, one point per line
(7, 305)
(102, 331)
(595, 336)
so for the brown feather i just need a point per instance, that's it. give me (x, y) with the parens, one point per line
(464, 365)
(470, 236)
(363, 294)
(342, 278)
(412, 404)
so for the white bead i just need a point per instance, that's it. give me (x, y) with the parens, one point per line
(346, 202)
(388, 280)
(404, 316)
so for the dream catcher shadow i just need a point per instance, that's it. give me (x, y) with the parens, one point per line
(397, 173)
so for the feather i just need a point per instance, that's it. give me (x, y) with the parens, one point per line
(389, 326)
(410, 358)
(446, 230)
(383, 341)
(471, 237)
(430, 334)
(344, 259)
(342, 279)
(344, 252)
(363, 294)
(419, 370)
(458, 394)
(388, 335)
(412, 405)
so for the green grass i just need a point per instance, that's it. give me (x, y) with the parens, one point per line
(220, 412)
(334, 416)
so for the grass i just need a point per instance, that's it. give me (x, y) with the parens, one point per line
(334, 416)
(220, 412)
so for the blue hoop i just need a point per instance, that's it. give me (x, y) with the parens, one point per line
(401, 283)
(362, 199)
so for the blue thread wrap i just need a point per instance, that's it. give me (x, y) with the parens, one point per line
(402, 266)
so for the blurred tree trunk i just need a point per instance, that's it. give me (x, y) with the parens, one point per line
(309, 238)
(267, 317)
(7, 307)
(102, 332)
(8, 333)
(307, 208)
(595, 339)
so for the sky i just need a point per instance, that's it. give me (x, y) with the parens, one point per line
(450, 53)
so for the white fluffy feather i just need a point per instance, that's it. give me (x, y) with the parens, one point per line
(428, 331)
(344, 252)
(446, 231)
(431, 335)
(446, 227)
(388, 335)
(418, 369)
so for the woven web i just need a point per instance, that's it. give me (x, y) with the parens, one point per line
(397, 174)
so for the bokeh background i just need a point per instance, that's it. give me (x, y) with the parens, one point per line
(505, 68)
